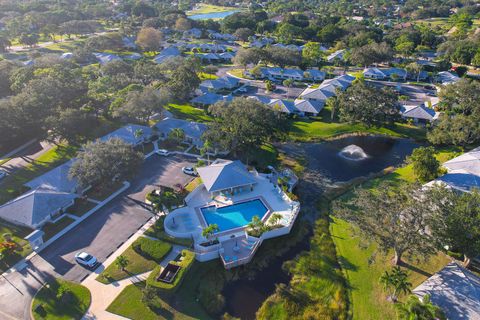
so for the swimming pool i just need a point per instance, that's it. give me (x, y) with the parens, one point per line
(235, 215)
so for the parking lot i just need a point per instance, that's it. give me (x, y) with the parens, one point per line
(100, 235)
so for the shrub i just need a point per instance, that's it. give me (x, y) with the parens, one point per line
(185, 264)
(209, 293)
(152, 249)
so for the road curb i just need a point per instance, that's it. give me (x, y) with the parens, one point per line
(17, 265)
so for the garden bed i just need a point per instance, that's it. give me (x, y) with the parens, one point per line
(80, 207)
(101, 193)
(22, 249)
(51, 229)
(184, 262)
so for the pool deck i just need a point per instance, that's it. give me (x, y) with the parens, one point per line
(204, 224)
(235, 247)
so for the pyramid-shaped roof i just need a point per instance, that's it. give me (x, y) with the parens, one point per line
(225, 174)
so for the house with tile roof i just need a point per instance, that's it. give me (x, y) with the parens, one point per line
(193, 130)
(133, 134)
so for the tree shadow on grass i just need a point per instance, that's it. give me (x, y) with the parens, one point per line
(412, 268)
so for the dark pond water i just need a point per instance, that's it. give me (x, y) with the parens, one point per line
(338, 160)
(347, 158)
(244, 297)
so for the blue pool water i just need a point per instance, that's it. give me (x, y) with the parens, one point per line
(234, 216)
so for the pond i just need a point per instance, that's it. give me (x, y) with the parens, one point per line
(351, 157)
(244, 297)
(337, 160)
(212, 15)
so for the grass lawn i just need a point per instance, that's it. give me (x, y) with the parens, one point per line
(362, 272)
(80, 207)
(101, 193)
(261, 157)
(314, 130)
(203, 8)
(193, 184)
(23, 248)
(52, 229)
(206, 76)
(12, 185)
(53, 308)
(184, 305)
(367, 296)
(138, 263)
(188, 112)
(171, 145)
(237, 73)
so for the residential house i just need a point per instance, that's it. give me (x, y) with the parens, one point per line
(133, 134)
(193, 130)
(293, 74)
(392, 74)
(282, 105)
(208, 57)
(455, 290)
(223, 83)
(227, 56)
(194, 33)
(129, 43)
(104, 58)
(167, 53)
(226, 177)
(447, 77)
(308, 107)
(57, 179)
(338, 55)
(221, 36)
(419, 113)
(207, 99)
(327, 89)
(463, 172)
(36, 207)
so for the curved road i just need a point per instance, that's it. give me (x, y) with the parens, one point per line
(100, 234)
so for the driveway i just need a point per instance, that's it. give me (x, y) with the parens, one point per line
(415, 94)
(100, 234)
(26, 156)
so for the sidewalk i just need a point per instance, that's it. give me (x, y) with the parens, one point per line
(104, 294)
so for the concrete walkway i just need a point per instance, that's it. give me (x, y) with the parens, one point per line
(104, 294)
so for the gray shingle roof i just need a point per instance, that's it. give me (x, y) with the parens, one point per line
(35, 206)
(56, 179)
(225, 174)
(469, 162)
(127, 134)
(419, 112)
(192, 129)
(455, 290)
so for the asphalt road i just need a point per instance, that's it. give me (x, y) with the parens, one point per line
(26, 156)
(100, 234)
(415, 94)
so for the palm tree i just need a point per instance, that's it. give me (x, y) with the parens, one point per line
(395, 282)
(415, 68)
(275, 219)
(177, 134)
(256, 226)
(122, 262)
(209, 231)
(205, 150)
(138, 134)
(414, 308)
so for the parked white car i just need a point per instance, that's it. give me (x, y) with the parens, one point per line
(3, 174)
(163, 152)
(86, 260)
(190, 171)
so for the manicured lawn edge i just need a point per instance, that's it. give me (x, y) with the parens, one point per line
(73, 310)
(138, 262)
(185, 264)
(157, 231)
